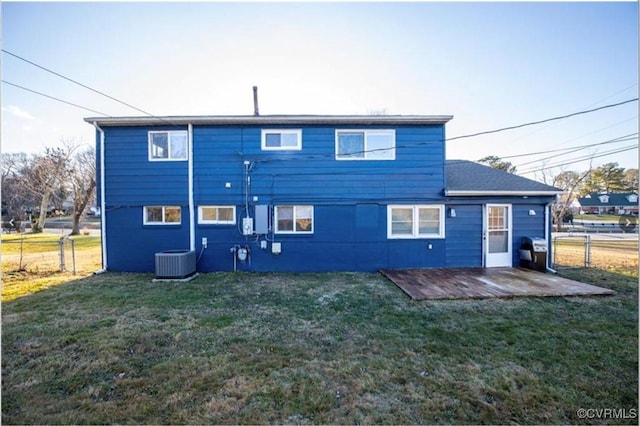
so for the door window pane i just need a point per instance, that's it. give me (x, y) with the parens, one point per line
(498, 241)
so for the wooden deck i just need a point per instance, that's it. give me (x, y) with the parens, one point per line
(481, 283)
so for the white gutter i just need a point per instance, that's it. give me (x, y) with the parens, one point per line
(103, 211)
(299, 120)
(470, 193)
(547, 215)
(192, 225)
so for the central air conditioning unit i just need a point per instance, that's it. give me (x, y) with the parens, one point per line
(175, 264)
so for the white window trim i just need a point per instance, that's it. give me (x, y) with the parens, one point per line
(168, 132)
(313, 226)
(163, 223)
(415, 234)
(202, 221)
(297, 132)
(366, 132)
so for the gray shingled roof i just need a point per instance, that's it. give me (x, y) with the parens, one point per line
(469, 178)
(620, 199)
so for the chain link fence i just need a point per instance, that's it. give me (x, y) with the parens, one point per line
(38, 256)
(584, 251)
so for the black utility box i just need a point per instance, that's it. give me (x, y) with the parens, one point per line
(533, 253)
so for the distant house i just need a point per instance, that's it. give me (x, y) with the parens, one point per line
(612, 203)
(306, 193)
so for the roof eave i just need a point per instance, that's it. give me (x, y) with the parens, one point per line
(271, 120)
(510, 193)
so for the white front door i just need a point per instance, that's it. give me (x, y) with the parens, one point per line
(497, 237)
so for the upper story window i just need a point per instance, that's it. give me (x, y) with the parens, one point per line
(162, 215)
(168, 145)
(281, 140)
(604, 199)
(365, 144)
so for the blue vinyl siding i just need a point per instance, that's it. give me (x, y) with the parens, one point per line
(350, 201)
(133, 180)
(313, 174)
(464, 232)
(527, 226)
(339, 243)
(131, 246)
(464, 237)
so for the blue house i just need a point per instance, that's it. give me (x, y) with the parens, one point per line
(306, 193)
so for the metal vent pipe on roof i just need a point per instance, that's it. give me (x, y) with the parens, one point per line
(255, 101)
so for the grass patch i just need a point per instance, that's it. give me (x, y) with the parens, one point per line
(599, 217)
(31, 262)
(313, 348)
(616, 256)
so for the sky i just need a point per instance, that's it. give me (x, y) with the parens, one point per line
(489, 65)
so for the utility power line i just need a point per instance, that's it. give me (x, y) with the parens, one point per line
(588, 106)
(77, 82)
(616, 140)
(532, 123)
(578, 160)
(575, 149)
(54, 98)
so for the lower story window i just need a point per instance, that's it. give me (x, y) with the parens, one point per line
(217, 215)
(415, 221)
(294, 219)
(162, 215)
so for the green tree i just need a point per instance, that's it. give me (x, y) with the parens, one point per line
(631, 180)
(495, 162)
(609, 177)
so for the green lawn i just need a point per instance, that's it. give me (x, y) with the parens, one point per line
(598, 217)
(30, 262)
(313, 348)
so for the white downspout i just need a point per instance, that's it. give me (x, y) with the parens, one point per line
(192, 225)
(103, 211)
(547, 226)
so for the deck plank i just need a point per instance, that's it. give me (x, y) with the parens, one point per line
(481, 283)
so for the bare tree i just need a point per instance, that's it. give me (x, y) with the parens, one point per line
(13, 197)
(45, 175)
(571, 183)
(82, 182)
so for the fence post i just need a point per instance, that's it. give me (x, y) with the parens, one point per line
(61, 247)
(587, 251)
(73, 254)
